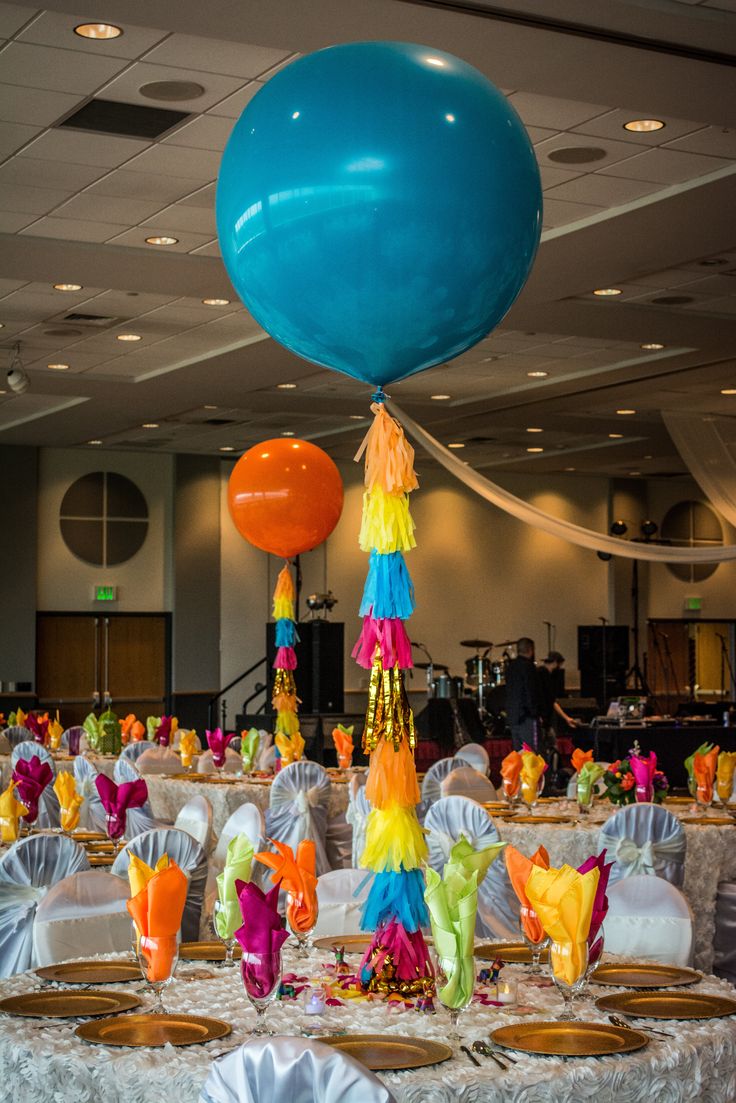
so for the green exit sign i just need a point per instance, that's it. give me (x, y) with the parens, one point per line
(106, 593)
(693, 604)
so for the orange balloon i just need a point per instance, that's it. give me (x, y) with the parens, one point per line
(285, 496)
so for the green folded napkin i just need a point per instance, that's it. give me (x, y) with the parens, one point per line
(153, 723)
(237, 868)
(249, 745)
(587, 777)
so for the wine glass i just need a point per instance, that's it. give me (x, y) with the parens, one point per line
(510, 791)
(703, 799)
(527, 913)
(224, 928)
(452, 994)
(261, 973)
(158, 957)
(595, 953)
(530, 793)
(569, 972)
(293, 907)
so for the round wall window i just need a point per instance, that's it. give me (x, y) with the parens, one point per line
(103, 519)
(692, 525)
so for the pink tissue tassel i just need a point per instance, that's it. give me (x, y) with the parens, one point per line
(390, 636)
(408, 949)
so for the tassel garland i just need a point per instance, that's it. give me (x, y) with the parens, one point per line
(284, 699)
(389, 590)
(397, 896)
(394, 840)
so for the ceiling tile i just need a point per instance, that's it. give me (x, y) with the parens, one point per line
(24, 200)
(216, 55)
(200, 164)
(204, 197)
(126, 87)
(71, 230)
(14, 135)
(179, 217)
(665, 166)
(47, 174)
(715, 141)
(75, 147)
(556, 114)
(12, 18)
(611, 125)
(34, 105)
(672, 277)
(614, 151)
(722, 5)
(212, 249)
(205, 132)
(11, 221)
(605, 191)
(551, 177)
(233, 106)
(142, 185)
(106, 208)
(559, 213)
(57, 29)
(61, 70)
(137, 238)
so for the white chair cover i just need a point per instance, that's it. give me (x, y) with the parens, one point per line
(177, 739)
(300, 795)
(724, 943)
(27, 871)
(133, 751)
(49, 812)
(359, 808)
(475, 755)
(28, 750)
(83, 914)
(245, 820)
(196, 819)
(92, 815)
(233, 763)
(296, 1069)
(5, 747)
(137, 820)
(339, 907)
(188, 855)
(158, 760)
(266, 757)
(650, 920)
(447, 820)
(17, 734)
(435, 775)
(644, 838)
(467, 782)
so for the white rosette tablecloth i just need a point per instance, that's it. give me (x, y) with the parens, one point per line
(104, 764)
(43, 1062)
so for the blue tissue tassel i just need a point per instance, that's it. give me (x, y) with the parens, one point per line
(286, 633)
(396, 895)
(389, 590)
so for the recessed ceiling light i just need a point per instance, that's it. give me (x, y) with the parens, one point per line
(2, 325)
(128, 336)
(227, 448)
(440, 397)
(569, 469)
(712, 262)
(649, 457)
(287, 433)
(67, 287)
(58, 367)
(625, 413)
(456, 444)
(644, 126)
(651, 346)
(210, 407)
(615, 436)
(216, 302)
(537, 374)
(532, 429)
(607, 292)
(162, 240)
(729, 390)
(535, 449)
(98, 30)
(94, 442)
(149, 425)
(286, 386)
(634, 472)
(357, 417)
(171, 91)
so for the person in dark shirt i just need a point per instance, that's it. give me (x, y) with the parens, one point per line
(549, 706)
(522, 695)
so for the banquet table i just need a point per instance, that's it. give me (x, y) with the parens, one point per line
(103, 763)
(41, 1061)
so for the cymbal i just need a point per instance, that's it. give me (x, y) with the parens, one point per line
(435, 666)
(477, 644)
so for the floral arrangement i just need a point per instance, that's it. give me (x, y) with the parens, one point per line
(635, 778)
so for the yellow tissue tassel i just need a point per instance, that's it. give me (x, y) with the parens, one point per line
(394, 838)
(287, 722)
(389, 458)
(387, 524)
(392, 777)
(284, 595)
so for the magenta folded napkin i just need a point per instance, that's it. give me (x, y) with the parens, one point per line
(217, 743)
(163, 731)
(261, 936)
(31, 776)
(38, 727)
(117, 799)
(600, 904)
(643, 770)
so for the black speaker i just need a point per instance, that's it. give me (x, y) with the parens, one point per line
(592, 639)
(320, 674)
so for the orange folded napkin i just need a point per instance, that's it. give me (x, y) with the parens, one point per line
(296, 875)
(704, 770)
(343, 740)
(187, 747)
(131, 730)
(579, 758)
(519, 868)
(156, 911)
(510, 773)
(70, 801)
(11, 809)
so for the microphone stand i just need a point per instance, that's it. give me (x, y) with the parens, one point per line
(430, 667)
(604, 696)
(665, 673)
(725, 657)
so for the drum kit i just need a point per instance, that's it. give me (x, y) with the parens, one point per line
(484, 675)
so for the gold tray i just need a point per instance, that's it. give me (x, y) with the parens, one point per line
(100, 859)
(68, 1003)
(205, 951)
(153, 1030)
(641, 975)
(386, 1051)
(91, 972)
(562, 1039)
(668, 1005)
(543, 819)
(709, 821)
(513, 953)
(679, 800)
(88, 836)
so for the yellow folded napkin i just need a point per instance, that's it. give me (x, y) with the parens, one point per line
(21, 718)
(55, 733)
(724, 775)
(290, 747)
(187, 747)
(563, 900)
(11, 809)
(140, 873)
(532, 768)
(70, 801)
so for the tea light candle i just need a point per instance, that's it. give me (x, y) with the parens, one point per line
(506, 991)
(315, 1004)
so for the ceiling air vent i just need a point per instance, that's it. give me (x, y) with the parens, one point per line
(99, 321)
(133, 120)
(219, 421)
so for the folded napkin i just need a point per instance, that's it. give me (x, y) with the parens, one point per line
(510, 773)
(39, 725)
(704, 748)
(250, 743)
(152, 726)
(343, 739)
(600, 903)
(704, 770)
(55, 733)
(237, 868)
(156, 911)
(290, 747)
(187, 747)
(563, 899)
(261, 936)
(140, 873)
(11, 809)
(31, 776)
(519, 867)
(643, 770)
(18, 719)
(579, 758)
(163, 731)
(724, 775)
(588, 775)
(132, 730)
(70, 801)
(296, 875)
(532, 768)
(217, 743)
(117, 799)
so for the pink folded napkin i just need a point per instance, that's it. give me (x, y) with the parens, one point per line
(163, 731)
(261, 936)
(600, 904)
(117, 799)
(643, 770)
(31, 776)
(217, 743)
(38, 727)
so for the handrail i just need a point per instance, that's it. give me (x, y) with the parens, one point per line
(213, 700)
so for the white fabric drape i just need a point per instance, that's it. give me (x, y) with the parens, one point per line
(81, 915)
(704, 445)
(649, 919)
(644, 839)
(300, 796)
(564, 530)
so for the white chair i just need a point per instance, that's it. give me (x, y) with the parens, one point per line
(5, 747)
(498, 905)
(29, 750)
(724, 942)
(49, 811)
(70, 735)
(435, 775)
(137, 820)
(644, 838)
(297, 1069)
(341, 894)
(266, 757)
(298, 804)
(17, 734)
(245, 820)
(649, 919)
(133, 751)
(158, 760)
(85, 913)
(196, 819)
(27, 871)
(359, 808)
(475, 755)
(467, 782)
(233, 763)
(188, 855)
(92, 815)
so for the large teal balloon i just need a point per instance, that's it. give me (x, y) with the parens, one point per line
(378, 208)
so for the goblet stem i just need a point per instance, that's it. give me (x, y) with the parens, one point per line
(229, 948)
(454, 1020)
(260, 1027)
(536, 968)
(567, 1013)
(158, 1002)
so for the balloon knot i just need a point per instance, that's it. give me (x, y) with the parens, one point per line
(379, 395)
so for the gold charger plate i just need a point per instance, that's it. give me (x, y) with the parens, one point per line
(668, 1005)
(71, 1003)
(153, 1030)
(562, 1039)
(513, 953)
(386, 1051)
(88, 836)
(353, 943)
(205, 951)
(643, 975)
(709, 821)
(100, 859)
(91, 972)
(543, 819)
(679, 800)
